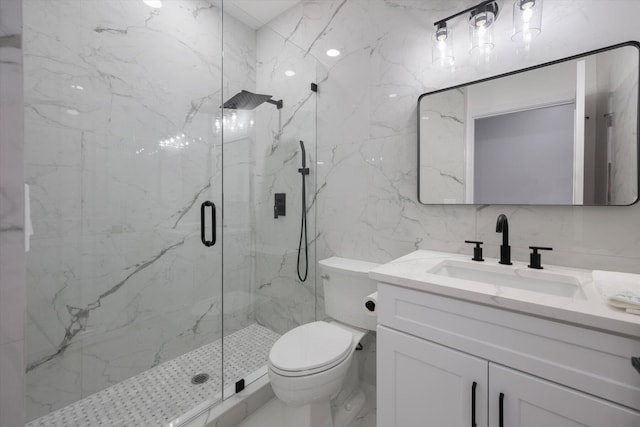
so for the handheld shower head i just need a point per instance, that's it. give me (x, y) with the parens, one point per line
(304, 170)
(304, 155)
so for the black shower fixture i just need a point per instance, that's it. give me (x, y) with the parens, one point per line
(245, 100)
(304, 171)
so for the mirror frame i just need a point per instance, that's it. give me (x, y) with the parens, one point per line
(523, 70)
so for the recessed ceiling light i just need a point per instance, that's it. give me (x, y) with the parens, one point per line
(393, 95)
(289, 73)
(156, 4)
(333, 52)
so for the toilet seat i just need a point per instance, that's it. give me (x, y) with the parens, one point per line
(309, 349)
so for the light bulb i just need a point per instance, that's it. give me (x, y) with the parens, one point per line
(527, 4)
(442, 32)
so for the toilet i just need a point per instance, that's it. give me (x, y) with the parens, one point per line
(308, 365)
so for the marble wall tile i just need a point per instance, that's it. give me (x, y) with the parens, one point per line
(442, 128)
(121, 149)
(12, 388)
(13, 298)
(366, 193)
(394, 64)
(625, 187)
(282, 300)
(11, 173)
(363, 166)
(12, 243)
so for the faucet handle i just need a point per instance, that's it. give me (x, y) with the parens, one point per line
(477, 251)
(535, 260)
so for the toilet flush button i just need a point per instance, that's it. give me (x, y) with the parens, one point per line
(348, 407)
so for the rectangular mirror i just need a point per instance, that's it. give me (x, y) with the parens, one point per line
(562, 133)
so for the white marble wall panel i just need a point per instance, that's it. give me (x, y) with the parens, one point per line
(367, 207)
(625, 129)
(442, 147)
(12, 281)
(282, 300)
(392, 63)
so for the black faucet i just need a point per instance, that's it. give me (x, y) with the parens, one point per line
(502, 226)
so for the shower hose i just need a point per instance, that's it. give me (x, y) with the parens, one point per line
(303, 226)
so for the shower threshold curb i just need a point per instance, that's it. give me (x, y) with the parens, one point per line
(232, 410)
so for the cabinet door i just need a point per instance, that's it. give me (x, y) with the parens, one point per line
(532, 402)
(422, 384)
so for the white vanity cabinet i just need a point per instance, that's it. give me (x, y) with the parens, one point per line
(422, 383)
(432, 348)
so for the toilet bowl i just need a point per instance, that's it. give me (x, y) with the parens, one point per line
(308, 365)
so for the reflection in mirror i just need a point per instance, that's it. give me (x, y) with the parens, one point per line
(564, 133)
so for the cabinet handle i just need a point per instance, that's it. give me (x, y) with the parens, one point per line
(473, 404)
(501, 414)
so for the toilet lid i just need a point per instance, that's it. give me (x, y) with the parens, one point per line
(310, 346)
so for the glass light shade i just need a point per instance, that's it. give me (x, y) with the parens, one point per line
(156, 4)
(527, 20)
(481, 38)
(442, 52)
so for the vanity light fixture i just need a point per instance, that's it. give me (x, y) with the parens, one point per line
(481, 18)
(527, 20)
(442, 52)
(481, 21)
(527, 24)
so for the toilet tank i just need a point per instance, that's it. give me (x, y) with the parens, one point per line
(346, 283)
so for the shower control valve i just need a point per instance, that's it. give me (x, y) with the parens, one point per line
(280, 205)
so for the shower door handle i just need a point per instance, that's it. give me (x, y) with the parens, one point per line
(213, 224)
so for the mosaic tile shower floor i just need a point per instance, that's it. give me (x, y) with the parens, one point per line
(163, 393)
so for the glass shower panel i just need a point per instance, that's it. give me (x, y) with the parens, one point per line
(124, 301)
(263, 296)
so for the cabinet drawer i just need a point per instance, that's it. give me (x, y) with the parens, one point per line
(592, 361)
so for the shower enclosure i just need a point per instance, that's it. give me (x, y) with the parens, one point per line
(132, 320)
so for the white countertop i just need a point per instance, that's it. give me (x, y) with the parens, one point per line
(410, 271)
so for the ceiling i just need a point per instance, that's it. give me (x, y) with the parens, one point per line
(256, 13)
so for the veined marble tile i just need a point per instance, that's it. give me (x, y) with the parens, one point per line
(55, 384)
(282, 301)
(12, 241)
(122, 148)
(11, 149)
(12, 383)
(13, 296)
(587, 232)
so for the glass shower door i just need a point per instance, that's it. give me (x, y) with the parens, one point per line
(124, 311)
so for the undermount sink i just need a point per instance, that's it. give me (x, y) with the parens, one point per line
(541, 281)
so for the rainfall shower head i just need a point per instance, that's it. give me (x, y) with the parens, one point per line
(245, 100)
